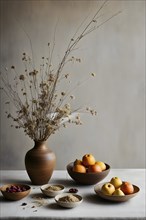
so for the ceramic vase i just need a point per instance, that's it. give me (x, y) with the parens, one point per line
(40, 162)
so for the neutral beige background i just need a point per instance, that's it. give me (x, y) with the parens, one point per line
(116, 53)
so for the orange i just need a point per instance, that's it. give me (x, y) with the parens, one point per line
(79, 168)
(88, 159)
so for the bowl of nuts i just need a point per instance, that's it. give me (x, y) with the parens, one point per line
(15, 191)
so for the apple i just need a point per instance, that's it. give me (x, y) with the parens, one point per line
(118, 192)
(108, 189)
(95, 168)
(101, 164)
(116, 181)
(127, 188)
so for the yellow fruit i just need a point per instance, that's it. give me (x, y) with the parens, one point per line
(116, 181)
(88, 159)
(101, 164)
(76, 162)
(118, 192)
(79, 168)
(108, 189)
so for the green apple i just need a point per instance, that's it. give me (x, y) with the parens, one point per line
(101, 164)
(108, 189)
(118, 192)
(116, 181)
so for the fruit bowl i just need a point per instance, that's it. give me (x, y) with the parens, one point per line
(52, 190)
(87, 178)
(116, 198)
(15, 191)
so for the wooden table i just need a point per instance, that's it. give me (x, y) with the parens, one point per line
(93, 207)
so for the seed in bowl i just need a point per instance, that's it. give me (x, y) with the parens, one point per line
(69, 198)
(54, 188)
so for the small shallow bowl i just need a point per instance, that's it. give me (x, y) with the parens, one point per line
(68, 204)
(87, 178)
(50, 192)
(15, 195)
(113, 198)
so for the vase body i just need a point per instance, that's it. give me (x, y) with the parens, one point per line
(40, 162)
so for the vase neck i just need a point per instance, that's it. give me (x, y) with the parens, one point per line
(40, 144)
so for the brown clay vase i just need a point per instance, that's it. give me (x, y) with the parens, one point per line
(40, 162)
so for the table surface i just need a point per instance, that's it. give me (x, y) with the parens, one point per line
(41, 207)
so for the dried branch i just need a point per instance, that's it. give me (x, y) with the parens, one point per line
(40, 108)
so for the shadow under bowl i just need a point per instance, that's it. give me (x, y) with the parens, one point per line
(14, 196)
(87, 178)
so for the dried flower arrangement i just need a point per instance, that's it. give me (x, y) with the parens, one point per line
(40, 109)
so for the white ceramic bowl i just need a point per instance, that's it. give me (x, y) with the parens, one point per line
(50, 192)
(68, 204)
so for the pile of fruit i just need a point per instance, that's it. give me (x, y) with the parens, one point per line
(117, 187)
(13, 189)
(88, 164)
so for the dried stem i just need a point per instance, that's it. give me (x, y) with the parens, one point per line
(43, 108)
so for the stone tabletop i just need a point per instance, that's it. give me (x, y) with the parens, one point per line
(37, 206)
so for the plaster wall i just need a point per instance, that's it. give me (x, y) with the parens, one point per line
(115, 52)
